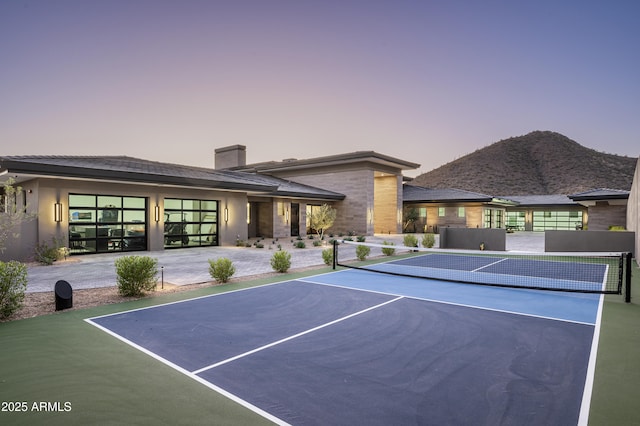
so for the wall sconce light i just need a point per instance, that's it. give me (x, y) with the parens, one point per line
(248, 213)
(57, 212)
(156, 213)
(226, 214)
(286, 216)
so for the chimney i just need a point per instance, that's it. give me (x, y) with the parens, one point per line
(230, 156)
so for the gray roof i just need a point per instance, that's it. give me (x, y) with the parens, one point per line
(541, 200)
(419, 194)
(128, 169)
(287, 188)
(601, 194)
(349, 158)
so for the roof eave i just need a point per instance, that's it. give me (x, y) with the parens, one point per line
(13, 167)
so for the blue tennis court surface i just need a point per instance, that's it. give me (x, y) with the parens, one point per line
(355, 347)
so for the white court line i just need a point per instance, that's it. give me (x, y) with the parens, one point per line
(198, 379)
(295, 336)
(583, 420)
(491, 264)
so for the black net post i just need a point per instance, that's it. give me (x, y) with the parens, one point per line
(627, 283)
(335, 253)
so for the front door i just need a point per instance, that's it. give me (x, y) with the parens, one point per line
(295, 220)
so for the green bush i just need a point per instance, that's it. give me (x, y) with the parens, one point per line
(13, 284)
(281, 261)
(410, 240)
(46, 254)
(221, 269)
(388, 251)
(361, 238)
(428, 240)
(299, 244)
(362, 252)
(136, 274)
(327, 256)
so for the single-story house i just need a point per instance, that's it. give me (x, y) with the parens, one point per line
(100, 204)
(598, 209)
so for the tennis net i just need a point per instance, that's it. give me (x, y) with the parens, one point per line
(574, 272)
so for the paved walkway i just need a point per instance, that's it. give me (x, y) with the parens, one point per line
(190, 266)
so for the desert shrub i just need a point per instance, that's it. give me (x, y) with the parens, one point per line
(317, 243)
(327, 256)
(13, 284)
(281, 261)
(221, 269)
(410, 240)
(361, 238)
(362, 252)
(299, 244)
(136, 274)
(428, 240)
(388, 251)
(47, 254)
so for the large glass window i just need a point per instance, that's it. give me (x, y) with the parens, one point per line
(107, 223)
(493, 218)
(190, 223)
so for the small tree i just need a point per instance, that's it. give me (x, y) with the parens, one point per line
(12, 213)
(410, 218)
(322, 218)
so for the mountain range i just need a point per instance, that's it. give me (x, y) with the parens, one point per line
(538, 163)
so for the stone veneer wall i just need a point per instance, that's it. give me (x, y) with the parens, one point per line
(357, 186)
(603, 215)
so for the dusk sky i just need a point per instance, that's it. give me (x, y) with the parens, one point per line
(424, 81)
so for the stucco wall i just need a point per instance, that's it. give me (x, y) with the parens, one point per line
(46, 192)
(588, 241)
(472, 238)
(633, 209)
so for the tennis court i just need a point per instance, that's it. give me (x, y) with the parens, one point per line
(360, 347)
